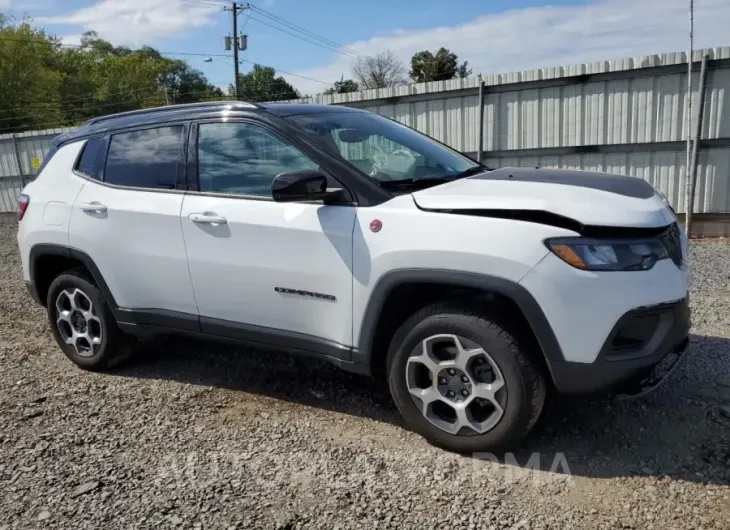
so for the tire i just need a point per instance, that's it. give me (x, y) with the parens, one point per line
(520, 398)
(73, 296)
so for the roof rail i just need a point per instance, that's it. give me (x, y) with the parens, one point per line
(172, 108)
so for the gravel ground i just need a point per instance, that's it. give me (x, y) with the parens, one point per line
(195, 435)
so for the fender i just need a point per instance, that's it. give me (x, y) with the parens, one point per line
(44, 249)
(507, 288)
(151, 317)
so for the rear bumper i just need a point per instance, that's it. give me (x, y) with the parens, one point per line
(629, 370)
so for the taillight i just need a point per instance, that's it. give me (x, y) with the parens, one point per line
(23, 202)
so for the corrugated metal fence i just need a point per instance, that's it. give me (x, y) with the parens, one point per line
(624, 116)
(20, 156)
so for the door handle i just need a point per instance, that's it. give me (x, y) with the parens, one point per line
(94, 206)
(207, 219)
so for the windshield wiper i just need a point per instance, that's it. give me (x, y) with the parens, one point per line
(475, 170)
(427, 182)
(414, 184)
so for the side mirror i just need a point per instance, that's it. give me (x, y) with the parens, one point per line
(303, 185)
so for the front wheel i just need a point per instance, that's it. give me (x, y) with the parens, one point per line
(463, 380)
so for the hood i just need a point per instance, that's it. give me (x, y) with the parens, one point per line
(589, 198)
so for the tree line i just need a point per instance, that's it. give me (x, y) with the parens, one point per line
(46, 84)
(385, 70)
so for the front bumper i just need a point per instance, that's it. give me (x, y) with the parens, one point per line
(638, 346)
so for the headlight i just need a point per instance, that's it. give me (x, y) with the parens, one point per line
(599, 255)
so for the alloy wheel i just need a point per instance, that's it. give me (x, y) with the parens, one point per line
(456, 385)
(78, 322)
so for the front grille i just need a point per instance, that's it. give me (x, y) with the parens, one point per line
(671, 241)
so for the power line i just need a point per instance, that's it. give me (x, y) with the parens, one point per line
(215, 3)
(325, 41)
(141, 100)
(57, 124)
(79, 46)
(330, 48)
(60, 103)
(288, 73)
(305, 39)
(275, 22)
(188, 54)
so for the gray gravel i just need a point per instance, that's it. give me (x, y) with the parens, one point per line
(195, 435)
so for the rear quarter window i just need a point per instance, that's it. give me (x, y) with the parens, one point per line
(87, 161)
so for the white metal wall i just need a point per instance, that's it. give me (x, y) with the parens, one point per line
(644, 107)
(666, 170)
(29, 145)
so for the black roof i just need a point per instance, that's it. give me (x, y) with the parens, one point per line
(211, 109)
(293, 109)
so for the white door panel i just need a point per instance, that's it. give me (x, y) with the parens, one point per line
(136, 241)
(268, 264)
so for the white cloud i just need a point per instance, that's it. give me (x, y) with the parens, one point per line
(4, 4)
(71, 40)
(137, 22)
(539, 37)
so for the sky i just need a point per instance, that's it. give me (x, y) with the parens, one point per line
(495, 36)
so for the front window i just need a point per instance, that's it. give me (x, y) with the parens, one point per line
(243, 159)
(384, 149)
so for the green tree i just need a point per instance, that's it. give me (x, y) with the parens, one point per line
(262, 84)
(44, 85)
(29, 80)
(187, 85)
(343, 86)
(443, 65)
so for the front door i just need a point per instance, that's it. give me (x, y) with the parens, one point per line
(276, 272)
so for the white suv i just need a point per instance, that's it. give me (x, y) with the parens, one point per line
(348, 236)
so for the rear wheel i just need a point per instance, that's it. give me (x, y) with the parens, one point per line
(83, 324)
(464, 380)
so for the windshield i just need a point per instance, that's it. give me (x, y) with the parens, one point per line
(384, 149)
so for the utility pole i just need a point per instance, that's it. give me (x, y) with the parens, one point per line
(235, 10)
(689, 173)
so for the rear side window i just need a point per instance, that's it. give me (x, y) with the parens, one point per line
(145, 159)
(87, 160)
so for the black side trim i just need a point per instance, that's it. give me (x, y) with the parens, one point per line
(162, 318)
(287, 340)
(518, 294)
(144, 322)
(143, 330)
(530, 216)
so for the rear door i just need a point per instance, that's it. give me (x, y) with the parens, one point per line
(127, 219)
